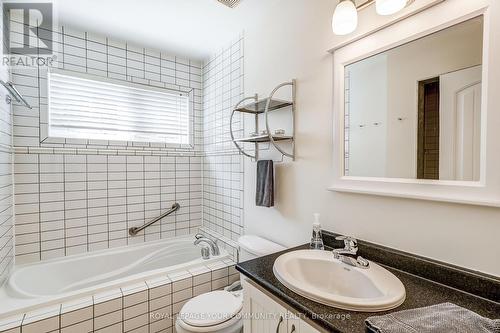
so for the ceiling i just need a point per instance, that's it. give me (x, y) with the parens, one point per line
(190, 28)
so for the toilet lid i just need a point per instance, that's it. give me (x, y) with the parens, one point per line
(211, 309)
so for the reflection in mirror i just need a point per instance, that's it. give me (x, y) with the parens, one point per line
(415, 111)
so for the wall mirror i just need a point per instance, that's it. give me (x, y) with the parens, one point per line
(414, 111)
(411, 109)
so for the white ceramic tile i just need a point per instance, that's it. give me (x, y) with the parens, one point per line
(202, 288)
(135, 323)
(42, 320)
(135, 294)
(116, 328)
(81, 327)
(107, 307)
(76, 316)
(108, 319)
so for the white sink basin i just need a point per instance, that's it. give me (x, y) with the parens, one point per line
(316, 275)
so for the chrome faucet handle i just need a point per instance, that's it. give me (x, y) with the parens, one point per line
(205, 252)
(362, 262)
(348, 254)
(350, 243)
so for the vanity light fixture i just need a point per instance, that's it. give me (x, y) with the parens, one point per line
(389, 7)
(345, 16)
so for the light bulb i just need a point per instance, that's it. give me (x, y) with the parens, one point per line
(389, 7)
(345, 18)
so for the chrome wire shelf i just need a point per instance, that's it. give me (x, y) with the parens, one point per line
(260, 106)
(264, 138)
(263, 107)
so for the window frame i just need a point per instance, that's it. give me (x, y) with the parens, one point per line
(46, 136)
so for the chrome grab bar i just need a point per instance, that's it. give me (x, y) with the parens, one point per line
(135, 230)
(14, 93)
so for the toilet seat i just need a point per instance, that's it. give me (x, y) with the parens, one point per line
(234, 324)
(212, 312)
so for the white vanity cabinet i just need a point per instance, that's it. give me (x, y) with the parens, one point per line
(262, 314)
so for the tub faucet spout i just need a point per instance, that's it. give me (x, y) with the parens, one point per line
(214, 248)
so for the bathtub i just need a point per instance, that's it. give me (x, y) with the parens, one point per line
(58, 280)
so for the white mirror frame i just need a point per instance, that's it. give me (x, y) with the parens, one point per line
(486, 191)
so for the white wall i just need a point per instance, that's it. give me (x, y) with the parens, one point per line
(291, 40)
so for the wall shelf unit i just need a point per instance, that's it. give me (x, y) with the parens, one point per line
(262, 107)
(264, 138)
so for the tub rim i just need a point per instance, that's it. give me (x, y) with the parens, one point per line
(39, 302)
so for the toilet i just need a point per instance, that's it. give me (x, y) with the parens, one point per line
(219, 311)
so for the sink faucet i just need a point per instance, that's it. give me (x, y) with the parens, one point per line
(214, 248)
(348, 254)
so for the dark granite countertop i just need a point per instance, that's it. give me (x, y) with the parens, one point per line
(419, 292)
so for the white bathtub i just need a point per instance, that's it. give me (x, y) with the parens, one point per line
(58, 280)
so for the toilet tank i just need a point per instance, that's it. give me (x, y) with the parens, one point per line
(252, 246)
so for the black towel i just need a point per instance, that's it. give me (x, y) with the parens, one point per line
(264, 196)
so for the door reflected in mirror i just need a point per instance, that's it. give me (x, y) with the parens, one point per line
(414, 111)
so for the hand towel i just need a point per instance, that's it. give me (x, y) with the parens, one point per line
(264, 195)
(440, 318)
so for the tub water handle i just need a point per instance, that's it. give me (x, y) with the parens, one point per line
(205, 252)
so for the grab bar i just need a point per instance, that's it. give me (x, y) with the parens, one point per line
(14, 93)
(135, 230)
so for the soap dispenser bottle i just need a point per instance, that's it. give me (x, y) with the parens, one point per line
(317, 237)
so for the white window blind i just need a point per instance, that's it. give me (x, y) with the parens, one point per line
(94, 108)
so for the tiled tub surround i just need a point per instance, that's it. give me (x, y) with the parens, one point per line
(6, 211)
(6, 188)
(75, 196)
(78, 196)
(149, 305)
(73, 203)
(222, 165)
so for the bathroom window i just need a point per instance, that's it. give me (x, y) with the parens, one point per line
(85, 107)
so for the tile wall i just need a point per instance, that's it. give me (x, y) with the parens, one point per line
(223, 165)
(74, 196)
(6, 188)
(73, 203)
